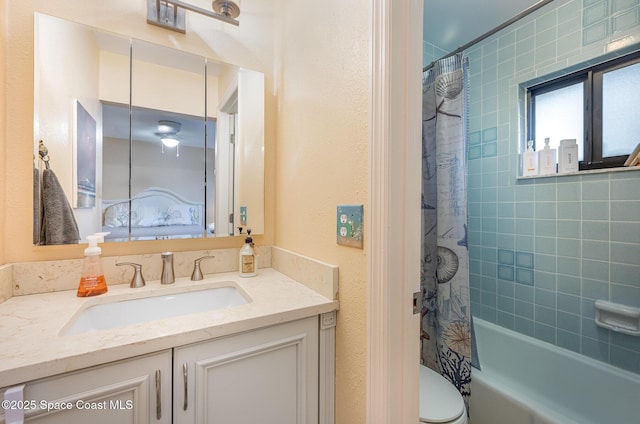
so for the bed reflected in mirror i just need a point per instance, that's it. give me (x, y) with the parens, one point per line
(169, 156)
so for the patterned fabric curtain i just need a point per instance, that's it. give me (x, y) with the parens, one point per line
(445, 328)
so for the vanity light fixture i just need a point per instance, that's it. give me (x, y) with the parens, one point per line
(226, 8)
(170, 14)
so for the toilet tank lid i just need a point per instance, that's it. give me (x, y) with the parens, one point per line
(440, 401)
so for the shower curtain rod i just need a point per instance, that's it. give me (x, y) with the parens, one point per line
(489, 33)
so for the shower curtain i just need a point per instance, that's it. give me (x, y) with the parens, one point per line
(445, 327)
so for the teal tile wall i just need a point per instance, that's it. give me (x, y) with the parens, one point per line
(430, 53)
(543, 250)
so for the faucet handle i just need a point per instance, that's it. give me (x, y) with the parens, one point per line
(196, 275)
(138, 280)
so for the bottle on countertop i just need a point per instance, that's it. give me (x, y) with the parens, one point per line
(529, 161)
(92, 281)
(568, 156)
(248, 261)
(547, 159)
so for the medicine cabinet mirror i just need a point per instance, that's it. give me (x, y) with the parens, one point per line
(147, 142)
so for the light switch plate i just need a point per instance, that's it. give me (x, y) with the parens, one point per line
(243, 215)
(350, 228)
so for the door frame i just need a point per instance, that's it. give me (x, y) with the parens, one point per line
(393, 268)
(226, 162)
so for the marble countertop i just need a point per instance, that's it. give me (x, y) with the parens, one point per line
(31, 347)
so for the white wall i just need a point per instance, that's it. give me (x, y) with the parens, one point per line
(164, 88)
(323, 71)
(250, 148)
(183, 174)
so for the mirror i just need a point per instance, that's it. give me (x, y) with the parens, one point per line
(147, 142)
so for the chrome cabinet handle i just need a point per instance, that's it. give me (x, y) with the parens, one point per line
(184, 375)
(158, 396)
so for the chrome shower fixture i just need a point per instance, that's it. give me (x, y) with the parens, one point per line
(170, 14)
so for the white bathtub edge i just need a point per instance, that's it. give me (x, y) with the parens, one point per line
(574, 356)
(506, 392)
(517, 412)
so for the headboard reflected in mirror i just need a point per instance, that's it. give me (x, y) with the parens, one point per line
(155, 213)
(147, 142)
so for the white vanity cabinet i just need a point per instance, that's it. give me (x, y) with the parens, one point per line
(280, 374)
(266, 376)
(136, 390)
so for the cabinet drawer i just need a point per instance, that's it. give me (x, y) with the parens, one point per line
(128, 391)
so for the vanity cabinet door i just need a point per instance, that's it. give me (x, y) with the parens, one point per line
(267, 376)
(120, 392)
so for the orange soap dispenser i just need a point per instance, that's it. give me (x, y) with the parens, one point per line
(92, 282)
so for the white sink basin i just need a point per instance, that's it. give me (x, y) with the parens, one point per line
(121, 312)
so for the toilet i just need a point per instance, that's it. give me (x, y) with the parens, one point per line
(440, 401)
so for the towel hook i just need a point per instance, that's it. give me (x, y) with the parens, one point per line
(44, 153)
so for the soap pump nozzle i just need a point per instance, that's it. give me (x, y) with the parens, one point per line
(546, 143)
(92, 245)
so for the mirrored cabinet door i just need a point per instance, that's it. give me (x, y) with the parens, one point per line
(148, 142)
(76, 70)
(168, 149)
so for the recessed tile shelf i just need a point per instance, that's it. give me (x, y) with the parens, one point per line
(616, 317)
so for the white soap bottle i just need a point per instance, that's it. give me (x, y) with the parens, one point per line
(248, 261)
(568, 156)
(547, 159)
(529, 161)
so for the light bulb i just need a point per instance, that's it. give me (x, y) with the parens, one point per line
(170, 141)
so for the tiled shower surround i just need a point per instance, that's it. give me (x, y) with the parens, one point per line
(542, 250)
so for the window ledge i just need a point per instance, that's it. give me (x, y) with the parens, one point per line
(586, 172)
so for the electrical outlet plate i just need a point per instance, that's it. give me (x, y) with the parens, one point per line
(350, 228)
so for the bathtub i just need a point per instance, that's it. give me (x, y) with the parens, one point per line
(526, 381)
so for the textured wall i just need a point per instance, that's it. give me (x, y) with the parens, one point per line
(431, 52)
(542, 250)
(3, 133)
(322, 161)
(321, 62)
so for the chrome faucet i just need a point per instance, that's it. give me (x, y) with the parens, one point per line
(196, 275)
(167, 276)
(138, 280)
